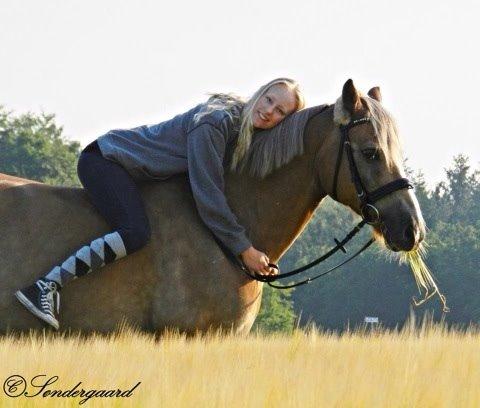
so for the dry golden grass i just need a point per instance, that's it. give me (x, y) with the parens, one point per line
(430, 367)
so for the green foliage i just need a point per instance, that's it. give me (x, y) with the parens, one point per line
(32, 147)
(276, 313)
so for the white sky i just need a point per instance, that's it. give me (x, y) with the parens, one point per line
(109, 64)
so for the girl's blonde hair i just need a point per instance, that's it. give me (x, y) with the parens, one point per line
(241, 111)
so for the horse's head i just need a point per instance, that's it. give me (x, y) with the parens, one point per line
(370, 176)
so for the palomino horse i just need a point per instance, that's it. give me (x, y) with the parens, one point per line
(182, 279)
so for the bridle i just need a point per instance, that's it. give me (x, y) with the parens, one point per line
(370, 214)
(367, 199)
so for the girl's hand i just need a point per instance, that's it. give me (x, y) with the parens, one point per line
(257, 262)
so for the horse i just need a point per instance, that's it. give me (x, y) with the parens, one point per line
(182, 279)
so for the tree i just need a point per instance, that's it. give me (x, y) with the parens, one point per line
(32, 146)
(276, 313)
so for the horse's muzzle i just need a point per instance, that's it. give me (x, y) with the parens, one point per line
(403, 236)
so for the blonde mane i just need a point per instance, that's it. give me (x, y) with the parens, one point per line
(273, 148)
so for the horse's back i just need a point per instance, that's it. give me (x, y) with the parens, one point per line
(181, 278)
(7, 181)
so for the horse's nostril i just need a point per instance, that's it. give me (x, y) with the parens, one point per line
(410, 234)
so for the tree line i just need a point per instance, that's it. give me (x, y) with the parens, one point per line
(374, 284)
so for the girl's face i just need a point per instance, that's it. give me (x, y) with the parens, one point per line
(273, 106)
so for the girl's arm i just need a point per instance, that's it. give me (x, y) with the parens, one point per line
(205, 151)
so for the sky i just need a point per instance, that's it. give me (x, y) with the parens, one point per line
(99, 65)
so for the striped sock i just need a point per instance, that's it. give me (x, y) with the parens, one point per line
(90, 257)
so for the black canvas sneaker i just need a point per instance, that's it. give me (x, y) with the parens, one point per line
(41, 299)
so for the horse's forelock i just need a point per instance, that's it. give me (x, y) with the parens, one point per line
(383, 123)
(386, 132)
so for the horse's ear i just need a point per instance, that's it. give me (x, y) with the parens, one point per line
(375, 93)
(350, 97)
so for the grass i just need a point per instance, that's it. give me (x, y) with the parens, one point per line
(430, 366)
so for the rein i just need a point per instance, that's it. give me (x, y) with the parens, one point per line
(369, 213)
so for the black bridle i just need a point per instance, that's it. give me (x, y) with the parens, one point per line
(368, 211)
(367, 199)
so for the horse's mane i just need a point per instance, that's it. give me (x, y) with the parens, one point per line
(273, 148)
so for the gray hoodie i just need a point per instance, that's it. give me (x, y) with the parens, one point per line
(179, 145)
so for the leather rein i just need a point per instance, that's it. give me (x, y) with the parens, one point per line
(369, 213)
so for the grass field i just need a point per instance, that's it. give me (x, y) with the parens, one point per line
(427, 367)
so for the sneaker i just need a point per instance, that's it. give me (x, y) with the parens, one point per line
(40, 299)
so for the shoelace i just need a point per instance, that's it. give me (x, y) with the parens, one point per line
(49, 290)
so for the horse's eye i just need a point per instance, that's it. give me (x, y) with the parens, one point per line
(371, 153)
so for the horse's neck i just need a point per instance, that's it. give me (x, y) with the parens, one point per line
(275, 210)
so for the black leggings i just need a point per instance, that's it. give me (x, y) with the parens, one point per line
(115, 195)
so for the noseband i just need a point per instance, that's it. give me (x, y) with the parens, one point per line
(369, 212)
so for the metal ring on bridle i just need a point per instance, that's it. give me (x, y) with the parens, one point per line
(366, 215)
